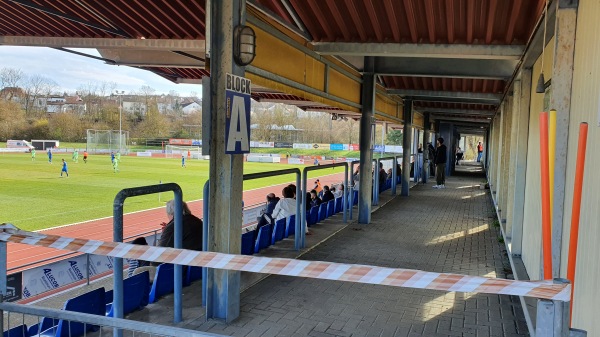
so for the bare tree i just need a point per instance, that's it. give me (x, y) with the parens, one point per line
(10, 78)
(147, 92)
(37, 86)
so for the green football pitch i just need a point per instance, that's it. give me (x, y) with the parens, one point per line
(34, 196)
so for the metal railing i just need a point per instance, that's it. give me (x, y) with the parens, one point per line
(300, 232)
(29, 313)
(118, 291)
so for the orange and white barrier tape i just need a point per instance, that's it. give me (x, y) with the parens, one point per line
(395, 277)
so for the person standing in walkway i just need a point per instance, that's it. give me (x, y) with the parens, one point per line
(459, 155)
(479, 152)
(441, 157)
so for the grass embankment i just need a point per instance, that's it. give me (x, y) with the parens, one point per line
(33, 196)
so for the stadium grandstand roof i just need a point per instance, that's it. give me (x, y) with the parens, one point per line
(444, 55)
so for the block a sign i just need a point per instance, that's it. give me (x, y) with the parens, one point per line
(237, 121)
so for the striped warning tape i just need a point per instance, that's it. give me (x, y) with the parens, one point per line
(396, 277)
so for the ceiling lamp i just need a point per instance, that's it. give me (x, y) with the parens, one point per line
(244, 45)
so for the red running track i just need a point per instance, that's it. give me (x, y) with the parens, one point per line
(21, 257)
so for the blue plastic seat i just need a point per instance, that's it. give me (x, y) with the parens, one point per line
(278, 231)
(330, 208)
(135, 294)
(290, 228)
(163, 282)
(193, 273)
(322, 212)
(313, 216)
(248, 243)
(88, 303)
(18, 331)
(264, 238)
(339, 204)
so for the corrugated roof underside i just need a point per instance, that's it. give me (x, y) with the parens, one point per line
(417, 21)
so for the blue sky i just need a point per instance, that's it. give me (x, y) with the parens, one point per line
(71, 71)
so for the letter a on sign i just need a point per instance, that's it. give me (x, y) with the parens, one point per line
(237, 128)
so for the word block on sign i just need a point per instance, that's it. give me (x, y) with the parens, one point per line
(237, 122)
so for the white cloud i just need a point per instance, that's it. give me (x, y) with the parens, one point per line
(71, 71)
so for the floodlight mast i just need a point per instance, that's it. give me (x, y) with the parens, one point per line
(120, 94)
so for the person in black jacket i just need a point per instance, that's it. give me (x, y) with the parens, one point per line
(192, 229)
(327, 195)
(441, 157)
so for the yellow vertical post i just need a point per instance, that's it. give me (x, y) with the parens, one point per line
(551, 154)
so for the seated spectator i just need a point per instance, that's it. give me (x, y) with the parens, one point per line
(327, 195)
(382, 175)
(339, 192)
(286, 206)
(318, 186)
(266, 214)
(135, 264)
(356, 178)
(389, 173)
(308, 206)
(192, 229)
(314, 199)
(293, 187)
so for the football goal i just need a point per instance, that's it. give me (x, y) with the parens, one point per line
(176, 151)
(106, 141)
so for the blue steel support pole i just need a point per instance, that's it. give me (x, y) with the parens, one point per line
(376, 183)
(118, 262)
(365, 193)
(351, 190)
(178, 243)
(303, 224)
(205, 198)
(406, 148)
(394, 174)
(3, 268)
(299, 211)
(3, 279)
(344, 200)
(426, 141)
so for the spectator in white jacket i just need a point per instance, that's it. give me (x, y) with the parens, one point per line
(286, 205)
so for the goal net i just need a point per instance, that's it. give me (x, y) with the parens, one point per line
(176, 151)
(106, 141)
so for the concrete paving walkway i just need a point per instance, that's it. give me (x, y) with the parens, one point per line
(448, 230)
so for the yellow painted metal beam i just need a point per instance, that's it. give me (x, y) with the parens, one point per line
(296, 67)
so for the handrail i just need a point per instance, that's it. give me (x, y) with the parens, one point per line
(352, 178)
(301, 231)
(118, 237)
(376, 178)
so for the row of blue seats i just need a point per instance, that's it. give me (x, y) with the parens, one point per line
(137, 293)
(269, 234)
